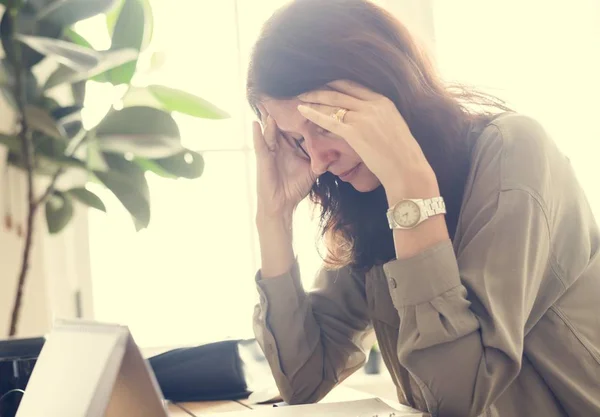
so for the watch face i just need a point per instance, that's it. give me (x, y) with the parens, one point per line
(407, 213)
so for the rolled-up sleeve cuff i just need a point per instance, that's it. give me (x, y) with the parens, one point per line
(283, 291)
(423, 277)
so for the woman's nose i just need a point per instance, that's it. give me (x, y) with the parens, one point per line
(321, 153)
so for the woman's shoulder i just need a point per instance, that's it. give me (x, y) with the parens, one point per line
(518, 132)
(517, 152)
(515, 135)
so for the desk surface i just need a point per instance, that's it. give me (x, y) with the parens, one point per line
(215, 407)
(205, 407)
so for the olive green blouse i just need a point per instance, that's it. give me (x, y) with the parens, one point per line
(504, 320)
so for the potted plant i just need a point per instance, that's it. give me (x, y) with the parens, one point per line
(373, 364)
(43, 76)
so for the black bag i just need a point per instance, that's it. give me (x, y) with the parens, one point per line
(17, 359)
(225, 370)
(209, 372)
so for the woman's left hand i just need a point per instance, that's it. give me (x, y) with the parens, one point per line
(378, 133)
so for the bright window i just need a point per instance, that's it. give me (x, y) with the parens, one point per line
(189, 277)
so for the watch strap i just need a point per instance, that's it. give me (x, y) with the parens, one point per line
(429, 207)
(434, 206)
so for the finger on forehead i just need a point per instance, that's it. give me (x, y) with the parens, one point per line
(324, 120)
(270, 132)
(260, 145)
(329, 111)
(353, 89)
(263, 112)
(323, 108)
(332, 98)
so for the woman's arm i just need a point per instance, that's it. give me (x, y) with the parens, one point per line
(276, 249)
(467, 351)
(464, 316)
(312, 340)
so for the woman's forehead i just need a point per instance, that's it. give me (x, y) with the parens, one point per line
(285, 113)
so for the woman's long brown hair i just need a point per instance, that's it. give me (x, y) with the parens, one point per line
(309, 43)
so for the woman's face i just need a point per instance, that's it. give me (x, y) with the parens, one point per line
(326, 151)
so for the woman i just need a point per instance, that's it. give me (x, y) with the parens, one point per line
(483, 301)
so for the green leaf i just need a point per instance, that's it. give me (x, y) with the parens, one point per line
(78, 91)
(26, 24)
(59, 112)
(69, 119)
(44, 147)
(148, 24)
(38, 119)
(95, 159)
(183, 102)
(59, 211)
(6, 75)
(7, 83)
(76, 38)
(67, 53)
(37, 5)
(13, 143)
(49, 154)
(131, 190)
(65, 13)
(133, 172)
(125, 166)
(129, 32)
(43, 166)
(61, 75)
(151, 166)
(9, 97)
(186, 164)
(157, 60)
(138, 225)
(47, 103)
(87, 197)
(112, 16)
(142, 131)
(106, 61)
(140, 96)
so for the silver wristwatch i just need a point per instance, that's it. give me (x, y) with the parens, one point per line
(409, 213)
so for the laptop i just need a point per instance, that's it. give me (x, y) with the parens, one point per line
(91, 369)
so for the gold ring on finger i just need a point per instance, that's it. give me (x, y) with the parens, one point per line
(339, 114)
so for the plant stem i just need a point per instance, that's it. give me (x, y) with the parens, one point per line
(27, 148)
(51, 187)
(57, 175)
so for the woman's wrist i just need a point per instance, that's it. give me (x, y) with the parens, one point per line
(395, 194)
(268, 220)
(275, 235)
(411, 242)
(412, 185)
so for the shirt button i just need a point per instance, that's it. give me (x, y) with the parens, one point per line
(393, 283)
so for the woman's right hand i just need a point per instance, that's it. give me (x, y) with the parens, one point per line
(283, 178)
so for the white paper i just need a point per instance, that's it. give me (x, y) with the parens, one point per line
(89, 369)
(373, 407)
(75, 372)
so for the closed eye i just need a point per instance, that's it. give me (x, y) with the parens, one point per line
(301, 148)
(298, 144)
(322, 131)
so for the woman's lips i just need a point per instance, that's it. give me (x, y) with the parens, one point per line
(345, 176)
